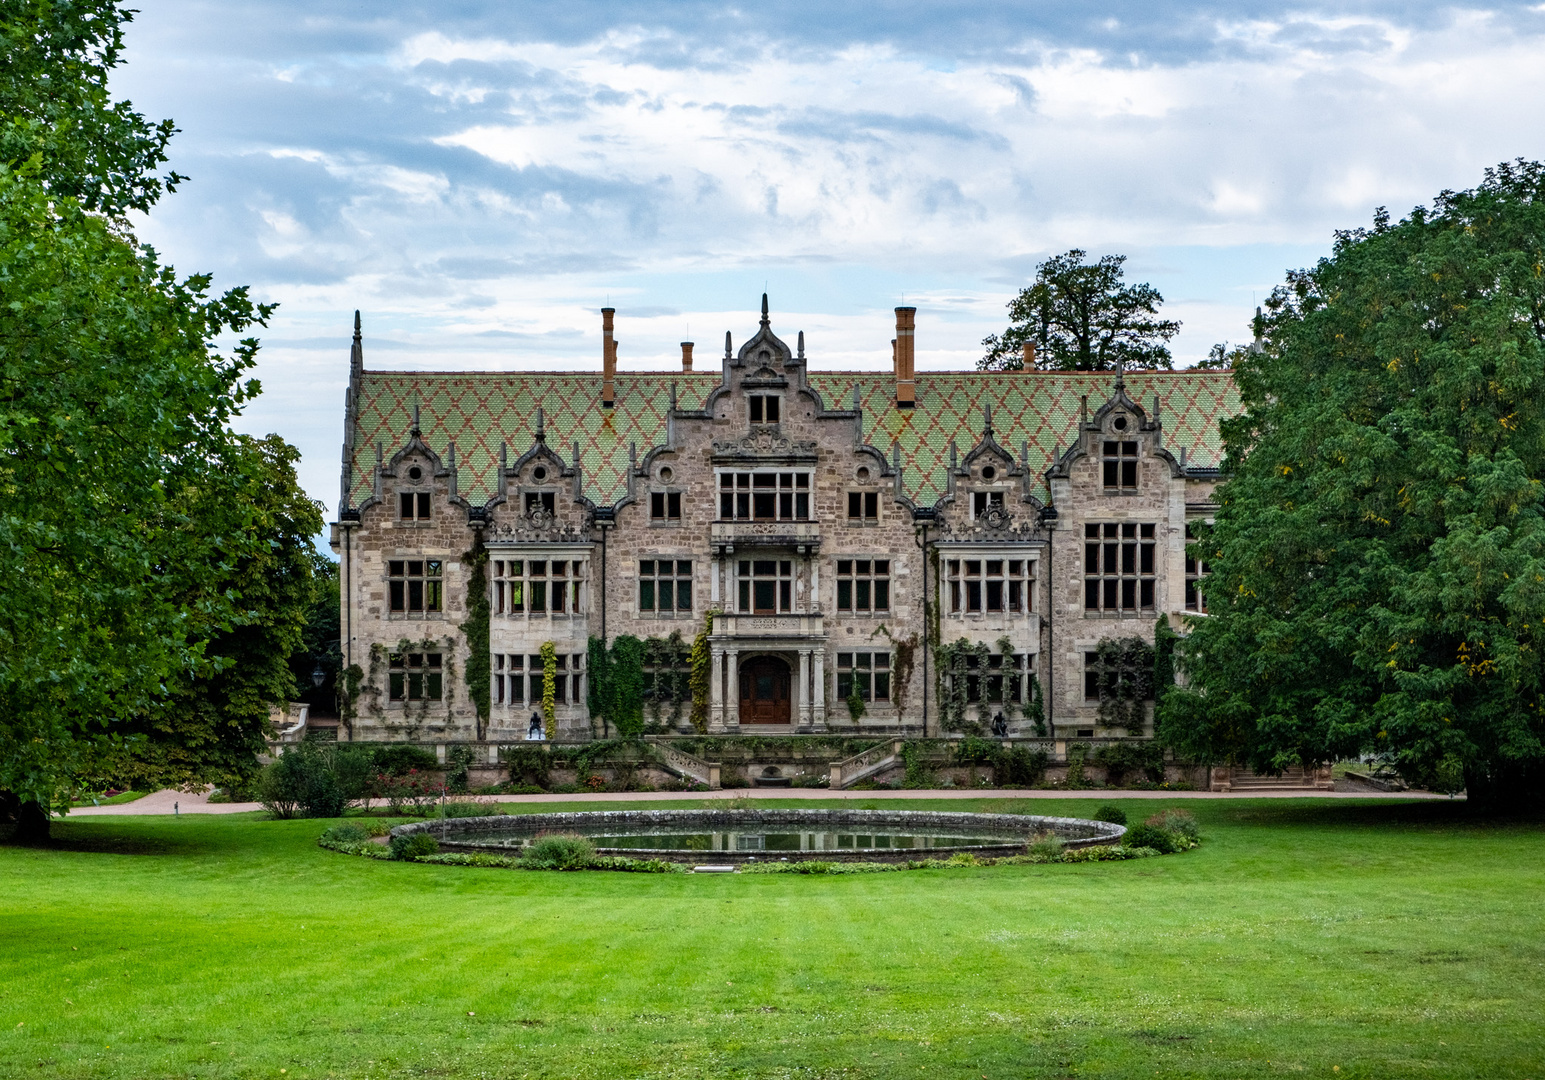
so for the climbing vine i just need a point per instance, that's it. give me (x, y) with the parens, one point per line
(550, 689)
(1124, 668)
(702, 675)
(667, 675)
(958, 663)
(348, 700)
(1165, 642)
(1035, 706)
(476, 630)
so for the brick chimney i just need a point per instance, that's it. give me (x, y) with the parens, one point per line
(608, 359)
(686, 356)
(1029, 355)
(906, 386)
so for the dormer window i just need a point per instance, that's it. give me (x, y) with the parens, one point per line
(764, 408)
(1120, 465)
(414, 505)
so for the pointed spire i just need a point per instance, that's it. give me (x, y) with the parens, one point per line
(728, 353)
(954, 456)
(1259, 344)
(1121, 381)
(357, 337)
(1024, 452)
(765, 319)
(801, 344)
(987, 420)
(856, 400)
(541, 425)
(673, 395)
(415, 420)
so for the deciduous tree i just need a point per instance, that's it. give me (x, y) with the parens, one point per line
(1378, 561)
(1081, 316)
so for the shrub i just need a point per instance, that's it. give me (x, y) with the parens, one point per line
(1046, 846)
(301, 782)
(1113, 814)
(1121, 760)
(347, 833)
(1178, 821)
(559, 851)
(1151, 836)
(414, 846)
(353, 766)
(399, 760)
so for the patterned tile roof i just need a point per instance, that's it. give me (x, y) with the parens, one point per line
(479, 410)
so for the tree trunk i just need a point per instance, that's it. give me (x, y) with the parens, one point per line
(32, 824)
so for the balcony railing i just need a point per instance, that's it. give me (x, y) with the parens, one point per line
(728, 536)
(807, 624)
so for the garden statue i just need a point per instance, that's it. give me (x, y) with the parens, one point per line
(535, 733)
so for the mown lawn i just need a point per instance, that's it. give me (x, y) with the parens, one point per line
(1302, 938)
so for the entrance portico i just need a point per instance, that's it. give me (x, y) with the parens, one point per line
(767, 670)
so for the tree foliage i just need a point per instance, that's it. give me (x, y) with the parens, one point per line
(155, 564)
(1082, 316)
(1378, 560)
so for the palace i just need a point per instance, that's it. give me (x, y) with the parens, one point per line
(845, 531)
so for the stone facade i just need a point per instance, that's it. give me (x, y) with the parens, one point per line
(836, 542)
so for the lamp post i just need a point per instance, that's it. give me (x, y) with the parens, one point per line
(318, 676)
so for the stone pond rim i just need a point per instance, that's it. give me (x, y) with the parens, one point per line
(1015, 829)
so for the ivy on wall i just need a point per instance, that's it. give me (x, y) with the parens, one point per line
(956, 661)
(702, 675)
(666, 677)
(1165, 642)
(657, 675)
(1125, 669)
(479, 664)
(1035, 706)
(550, 689)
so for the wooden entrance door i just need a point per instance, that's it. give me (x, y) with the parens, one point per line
(764, 691)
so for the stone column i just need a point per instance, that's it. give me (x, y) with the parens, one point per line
(716, 689)
(713, 578)
(805, 713)
(732, 706)
(819, 688)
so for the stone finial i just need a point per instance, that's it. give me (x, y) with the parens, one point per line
(765, 320)
(729, 351)
(954, 456)
(1156, 408)
(1121, 375)
(673, 388)
(541, 425)
(801, 345)
(358, 337)
(987, 420)
(415, 431)
(1083, 408)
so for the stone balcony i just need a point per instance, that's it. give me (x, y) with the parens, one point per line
(727, 537)
(801, 626)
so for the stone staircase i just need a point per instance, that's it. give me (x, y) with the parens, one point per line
(688, 766)
(876, 759)
(1239, 780)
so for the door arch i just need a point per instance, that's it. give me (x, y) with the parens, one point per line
(764, 691)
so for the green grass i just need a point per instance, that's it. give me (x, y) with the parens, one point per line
(1391, 940)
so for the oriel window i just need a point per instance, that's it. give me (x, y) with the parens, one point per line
(981, 585)
(1119, 567)
(864, 585)
(537, 586)
(414, 586)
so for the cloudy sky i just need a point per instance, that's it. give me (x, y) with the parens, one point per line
(481, 178)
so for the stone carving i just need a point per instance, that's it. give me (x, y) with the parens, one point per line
(764, 443)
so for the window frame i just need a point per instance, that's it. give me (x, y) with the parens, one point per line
(779, 582)
(872, 584)
(665, 506)
(868, 505)
(744, 494)
(415, 676)
(429, 581)
(1107, 588)
(985, 584)
(681, 578)
(764, 410)
(415, 506)
(1119, 460)
(517, 590)
(871, 678)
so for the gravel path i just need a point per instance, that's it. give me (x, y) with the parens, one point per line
(161, 802)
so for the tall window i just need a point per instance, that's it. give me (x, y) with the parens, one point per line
(867, 673)
(536, 586)
(665, 506)
(1003, 585)
(517, 678)
(415, 585)
(1196, 569)
(863, 585)
(664, 585)
(764, 409)
(863, 506)
(415, 676)
(766, 586)
(1118, 567)
(1120, 465)
(764, 496)
(414, 505)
